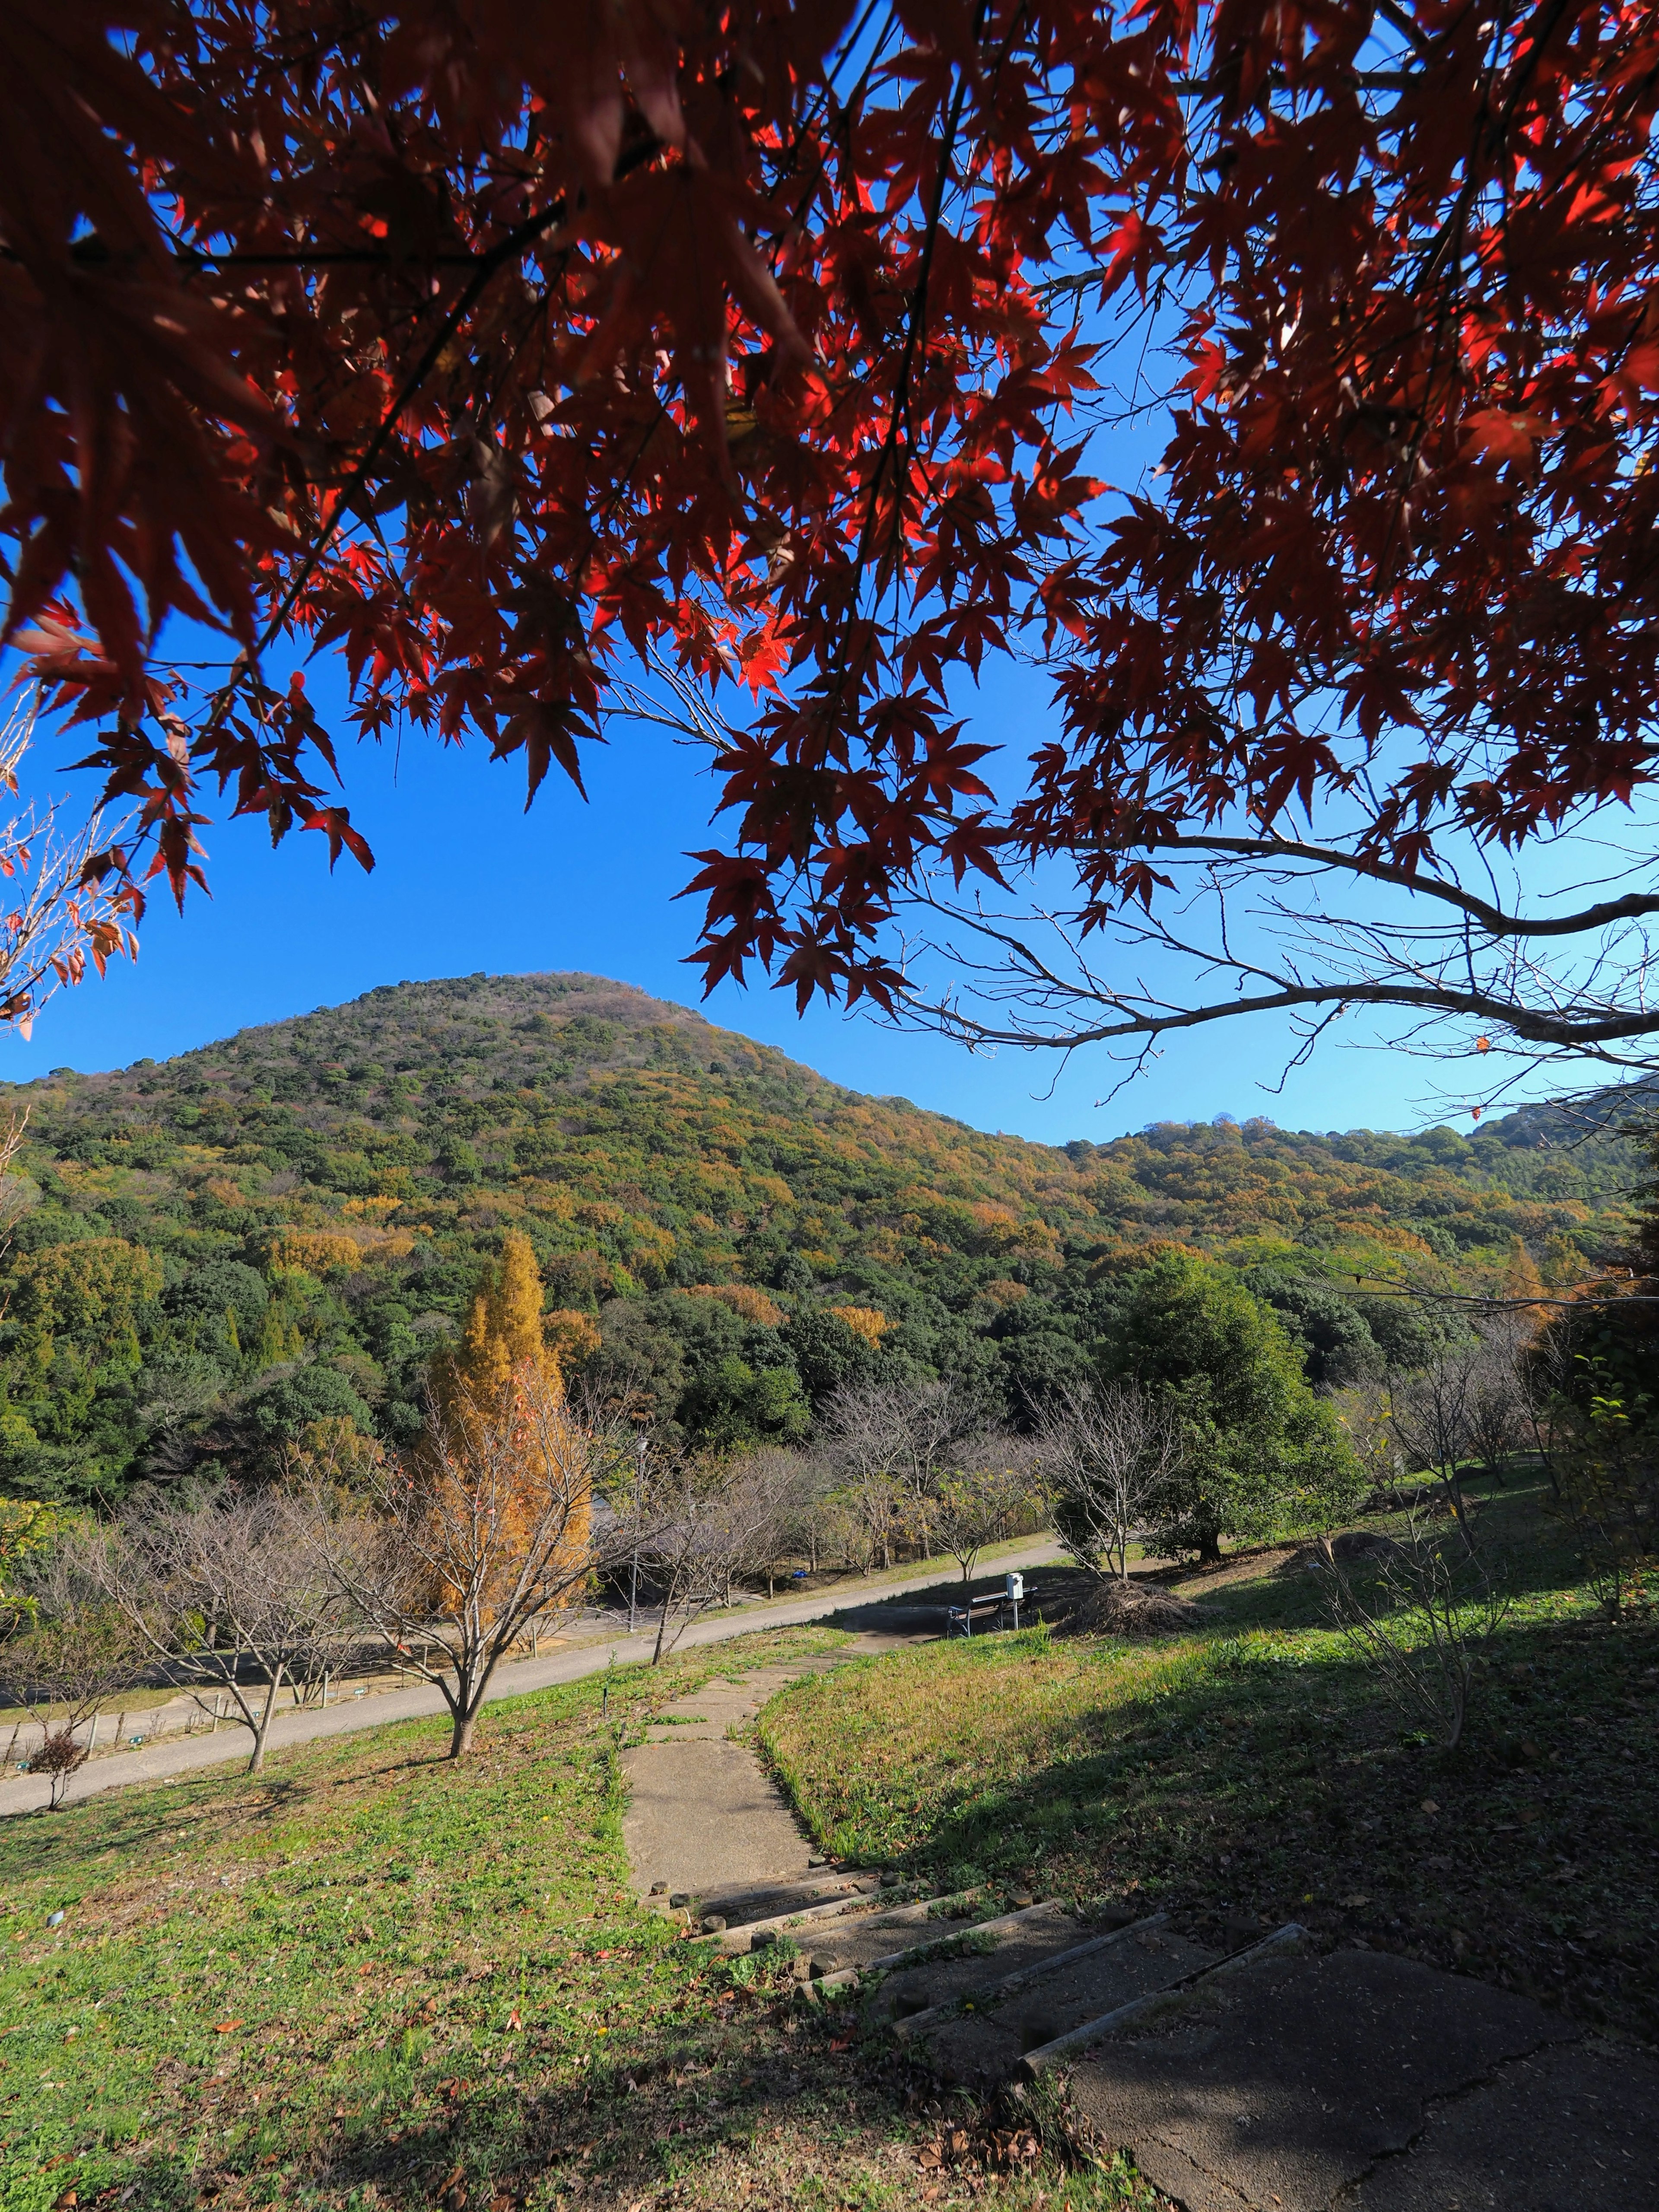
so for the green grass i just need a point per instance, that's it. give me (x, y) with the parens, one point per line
(1254, 1770)
(371, 1979)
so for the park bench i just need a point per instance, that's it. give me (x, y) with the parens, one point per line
(997, 1609)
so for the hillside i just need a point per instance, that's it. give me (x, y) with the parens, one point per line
(215, 1250)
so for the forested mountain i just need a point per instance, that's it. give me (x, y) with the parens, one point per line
(210, 1252)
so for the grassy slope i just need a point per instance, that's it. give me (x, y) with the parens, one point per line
(369, 1978)
(1254, 1770)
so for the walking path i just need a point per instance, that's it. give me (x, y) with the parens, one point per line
(167, 1759)
(703, 1820)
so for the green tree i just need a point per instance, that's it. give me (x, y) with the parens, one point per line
(1337, 1346)
(732, 1404)
(1261, 1451)
(222, 1307)
(278, 1416)
(827, 1353)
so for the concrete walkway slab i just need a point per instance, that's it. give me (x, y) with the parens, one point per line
(1280, 2088)
(703, 1816)
(1573, 2129)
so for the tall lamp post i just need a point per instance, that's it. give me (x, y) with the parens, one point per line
(640, 1446)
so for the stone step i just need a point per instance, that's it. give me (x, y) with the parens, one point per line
(844, 1954)
(862, 1905)
(936, 1953)
(930, 1992)
(987, 1992)
(1138, 2009)
(984, 2040)
(740, 1907)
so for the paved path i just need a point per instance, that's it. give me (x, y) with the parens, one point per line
(162, 1761)
(1365, 2083)
(703, 1816)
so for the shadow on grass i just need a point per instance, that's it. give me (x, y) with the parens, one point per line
(1257, 1770)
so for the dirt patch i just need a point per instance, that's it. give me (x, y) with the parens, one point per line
(1354, 1547)
(1240, 1566)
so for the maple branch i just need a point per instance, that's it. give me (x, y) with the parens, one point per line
(1304, 961)
(510, 248)
(917, 313)
(1492, 918)
(1575, 1036)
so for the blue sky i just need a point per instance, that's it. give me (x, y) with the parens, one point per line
(467, 881)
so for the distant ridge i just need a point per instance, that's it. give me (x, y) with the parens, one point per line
(352, 1168)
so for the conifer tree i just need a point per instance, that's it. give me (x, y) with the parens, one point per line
(500, 1382)
(503, 1336)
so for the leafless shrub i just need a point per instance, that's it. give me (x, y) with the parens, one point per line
(1418, 1622)
(1108, 1453)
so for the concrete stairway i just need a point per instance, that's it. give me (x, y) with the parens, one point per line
(1271, 2079)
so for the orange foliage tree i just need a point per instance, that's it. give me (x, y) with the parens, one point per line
(504, 1372)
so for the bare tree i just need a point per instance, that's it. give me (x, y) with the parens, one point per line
(704, 1524)
(449, 1554)
(1310, 930)
(981, 1502)
(857, 1443)
(891, 1443)
(76, 1651)
(237, 1590)
(68, 906)
(1433, 1416)
(1108, 1452)
(1497, 1406)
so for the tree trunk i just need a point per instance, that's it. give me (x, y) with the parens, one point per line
(257, 1764)
(1209, 1548)
(1453, 1484)
(460, 1738)
(662, 1621)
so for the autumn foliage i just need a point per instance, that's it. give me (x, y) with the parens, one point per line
(499, 1419)
(491, 345)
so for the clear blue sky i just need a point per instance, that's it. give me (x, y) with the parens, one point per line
(467, 881)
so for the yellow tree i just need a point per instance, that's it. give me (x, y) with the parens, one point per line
(452, 1555)
(498, 1397)
(1521, 1282)
(503, 1336)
